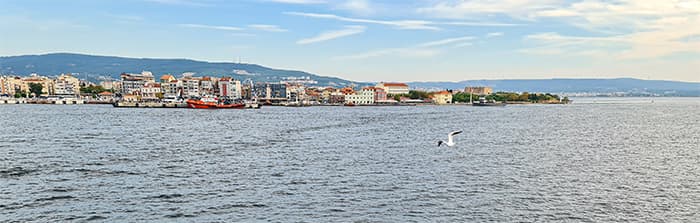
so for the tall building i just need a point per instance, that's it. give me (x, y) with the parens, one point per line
(207, 86)
(230, 88)
(66, 84)
(134, 82)
(393, 88)
(479, 90)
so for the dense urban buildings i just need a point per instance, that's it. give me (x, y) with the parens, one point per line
(171, 88)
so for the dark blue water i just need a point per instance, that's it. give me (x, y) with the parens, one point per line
(591, 161)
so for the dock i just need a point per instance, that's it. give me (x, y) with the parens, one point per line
(128, 104)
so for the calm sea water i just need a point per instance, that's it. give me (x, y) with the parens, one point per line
(591, 161)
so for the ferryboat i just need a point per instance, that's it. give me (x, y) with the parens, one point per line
(214, 103)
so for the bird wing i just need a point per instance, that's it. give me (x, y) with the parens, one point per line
(455, 133)
(450, 136)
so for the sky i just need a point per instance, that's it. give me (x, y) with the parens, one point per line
(373, 40)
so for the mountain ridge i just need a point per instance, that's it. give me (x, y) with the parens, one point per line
(96, 66)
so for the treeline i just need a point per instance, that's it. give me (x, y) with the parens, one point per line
(464, 97)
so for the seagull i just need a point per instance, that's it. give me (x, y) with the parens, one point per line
(450, 142)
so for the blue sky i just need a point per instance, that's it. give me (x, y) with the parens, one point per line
(372, 40)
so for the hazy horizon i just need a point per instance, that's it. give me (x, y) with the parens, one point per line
(370, 40)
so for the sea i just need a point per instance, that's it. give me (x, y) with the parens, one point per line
(595, 160)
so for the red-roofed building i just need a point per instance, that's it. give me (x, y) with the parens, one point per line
(379, 93)
(441, 97)
(166, 78)
(393, 88)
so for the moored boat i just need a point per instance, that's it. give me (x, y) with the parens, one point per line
(213, 103)
(483, 102)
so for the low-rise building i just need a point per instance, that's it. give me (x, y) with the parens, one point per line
(363, 97)
(151, 91)
(393, 88)
(442, 97)
(105, 96)
(379, 93)
(47, 85)
(479, 90)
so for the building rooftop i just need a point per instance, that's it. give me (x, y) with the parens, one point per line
(395, 85)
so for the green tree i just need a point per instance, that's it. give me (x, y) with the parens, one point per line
(35, 88)
(413, 94)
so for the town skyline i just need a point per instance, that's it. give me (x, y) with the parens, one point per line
(376, 40)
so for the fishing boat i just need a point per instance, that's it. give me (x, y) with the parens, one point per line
(483, 102)
(213, 103)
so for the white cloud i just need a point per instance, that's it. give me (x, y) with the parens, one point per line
(360, 7)
(426, 49)
(495, 34)
(399, 24)
(200, 26)
(334, 34)
(641, 29)
(445, 41)
(267, 28)
(400, 52)
(468, 9)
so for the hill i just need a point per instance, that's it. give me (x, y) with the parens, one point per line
(630, 86)
(101, 67)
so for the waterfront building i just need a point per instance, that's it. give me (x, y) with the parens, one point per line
(9, 85)
(277, 90)
(170, 88)
(47, 86)
(336, 97)
(150, 91)
(270, 90)
(105, 96)
(313, 94)
(326, 94)
(66, 85)
(363, 97)
(134, 82)
(393, 88)
(479, 90)
(379, 93)
(295, 92)
(207, 86)
(442, 97)
(230, 87)
(190, 87)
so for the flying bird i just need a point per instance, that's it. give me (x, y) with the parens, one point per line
(450, 139)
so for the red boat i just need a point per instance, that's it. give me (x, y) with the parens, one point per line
(212, 103)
